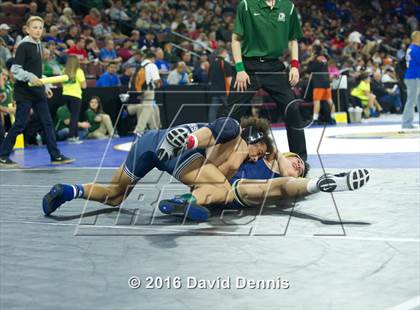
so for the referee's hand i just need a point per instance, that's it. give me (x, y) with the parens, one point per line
(242, 81)
(293, 76)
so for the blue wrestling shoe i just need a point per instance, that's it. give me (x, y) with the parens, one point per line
(184, 205)
(53, 199)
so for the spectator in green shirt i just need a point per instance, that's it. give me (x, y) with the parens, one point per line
(62, 124)
(100, 123)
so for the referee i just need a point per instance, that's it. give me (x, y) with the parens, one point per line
(263, 31)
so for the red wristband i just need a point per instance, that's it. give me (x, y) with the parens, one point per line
(192, 142)
(295, 64)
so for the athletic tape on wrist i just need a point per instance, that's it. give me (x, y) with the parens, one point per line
(239, 66)
(295, 64)
(192, 142)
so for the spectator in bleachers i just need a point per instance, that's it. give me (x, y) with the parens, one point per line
(148, 41)
(32, 10)
(187, 59)
(126, 77)
(79, 50)
(7, 104)
(53, 36)
(110, 77)
(100, 123)
(169, 54)
(108, 54)
(5, 54)
(72, 93)
(161, 63)
(389, 76)
(92, 50)
(125, 50)
(118, 12)
(51, 66)
(87, 32)
(49, 22)
(201, 73)
(117, 34)
(363, 92)
(135, 61)
(67, 18)
(103, 29)
(55, 53)
(384, 95)
(49, 9)
(135, 38)
(4, 34)
(62, 125)
(93, 18)
(179, 75)
(71, 35)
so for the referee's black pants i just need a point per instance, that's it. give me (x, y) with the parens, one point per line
(271, 76)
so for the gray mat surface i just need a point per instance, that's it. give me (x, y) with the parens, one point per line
(367, 260)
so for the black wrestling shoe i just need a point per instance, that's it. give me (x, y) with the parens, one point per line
(175, 140)
(6, 162)
(62, 160)
(182, 205)
(346, 181)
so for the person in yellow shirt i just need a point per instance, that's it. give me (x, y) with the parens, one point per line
(362, 91)
(72, 94)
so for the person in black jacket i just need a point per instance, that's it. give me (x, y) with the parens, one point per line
(384, 95)
(318, 68)
(27, 67)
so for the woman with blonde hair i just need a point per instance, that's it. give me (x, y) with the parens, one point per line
(72, 93)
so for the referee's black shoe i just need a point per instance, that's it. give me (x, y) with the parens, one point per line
(62, 160)
(6, 162)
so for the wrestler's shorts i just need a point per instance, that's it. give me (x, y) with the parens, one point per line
(142, 157)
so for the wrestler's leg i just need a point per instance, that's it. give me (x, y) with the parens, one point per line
(112, 194)
(209, 184)
(256, 192)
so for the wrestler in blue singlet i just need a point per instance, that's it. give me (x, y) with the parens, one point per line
(255, 171)
(249, 170)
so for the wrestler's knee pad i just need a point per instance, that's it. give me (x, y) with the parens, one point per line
(224, 129)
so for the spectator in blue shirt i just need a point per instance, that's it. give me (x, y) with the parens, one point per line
(163, 66)
(108, 54)
(149, 41)
(110, 77)
(412, 81)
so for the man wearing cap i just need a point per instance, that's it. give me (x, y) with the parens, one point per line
(263, 31)
(4, 34)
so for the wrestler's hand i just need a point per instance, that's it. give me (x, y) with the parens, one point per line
(242, 81)
(294, 76)
(173, 143)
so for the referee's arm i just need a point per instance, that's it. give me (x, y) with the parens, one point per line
(242, 78)
(294, 53)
